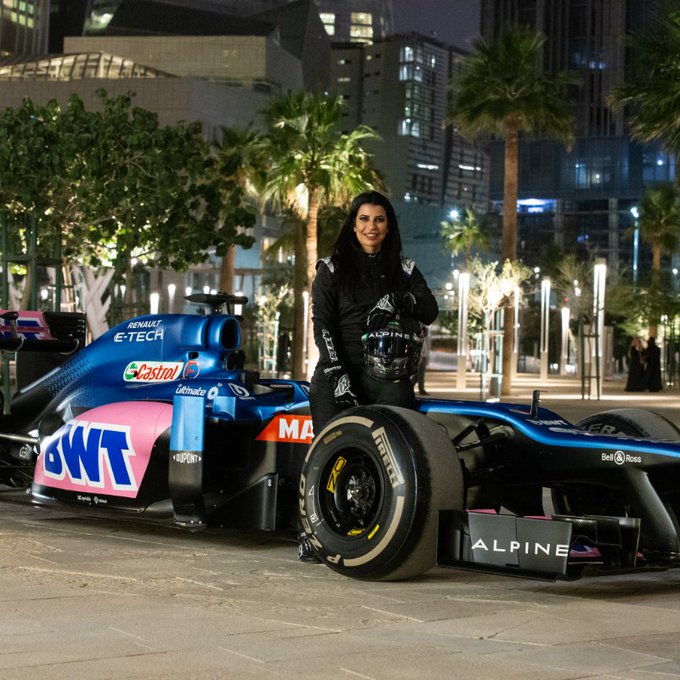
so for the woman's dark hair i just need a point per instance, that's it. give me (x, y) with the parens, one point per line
(346, 246)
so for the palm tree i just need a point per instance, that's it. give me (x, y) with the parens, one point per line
(573, 283)
(652, 87)
(660, 227)
(311, 162)
(464, 234)
(240, 156)
(501, 90)
(649, 96)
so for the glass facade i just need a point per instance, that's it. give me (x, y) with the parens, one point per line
(100, 15)
(418, 73)
(24, 26)
(604, 173)
(399, 88)
(361, 27)
(328, 20)
(358, 21)
(362, 21)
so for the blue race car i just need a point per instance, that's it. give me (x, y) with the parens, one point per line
(155, 419)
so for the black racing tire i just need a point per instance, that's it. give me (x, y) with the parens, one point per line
(623, 422)
(631, 422)
(371, 487)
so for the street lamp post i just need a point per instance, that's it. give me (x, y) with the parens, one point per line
(461, 358)
(515, 335)
(172, 289)
(597, 356)
(238, 307)
(305, 324)
(545, 326)
(564, 349)
(154, 302)
(636, 243)
(268, 337)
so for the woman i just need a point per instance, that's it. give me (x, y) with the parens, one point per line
(358, 291)
(361, 287)
(636, 366)
(652, 379)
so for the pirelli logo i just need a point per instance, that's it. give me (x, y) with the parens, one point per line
(387, 455)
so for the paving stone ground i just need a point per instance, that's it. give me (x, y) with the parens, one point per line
(92, 598)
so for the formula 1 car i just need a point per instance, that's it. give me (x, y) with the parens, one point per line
(154, 420)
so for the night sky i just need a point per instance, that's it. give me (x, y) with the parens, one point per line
(454, 22)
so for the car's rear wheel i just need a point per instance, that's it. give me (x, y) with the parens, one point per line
(371, 487)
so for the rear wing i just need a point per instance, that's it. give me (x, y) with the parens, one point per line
(30, 331)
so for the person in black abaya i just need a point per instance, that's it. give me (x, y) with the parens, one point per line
(636, 366)
(653, 366)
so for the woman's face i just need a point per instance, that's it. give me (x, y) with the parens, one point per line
(370, 226)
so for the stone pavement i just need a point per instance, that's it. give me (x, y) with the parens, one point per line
(91, 598)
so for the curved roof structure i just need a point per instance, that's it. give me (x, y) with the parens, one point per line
(80, 66)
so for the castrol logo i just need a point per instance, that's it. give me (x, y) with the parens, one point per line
(152, 371)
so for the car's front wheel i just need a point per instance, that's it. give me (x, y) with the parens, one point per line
(631, 422)
(371, 487)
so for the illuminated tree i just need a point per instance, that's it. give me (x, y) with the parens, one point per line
(113, 184)
(464, 234)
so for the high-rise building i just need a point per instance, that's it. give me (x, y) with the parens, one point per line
(67, 17)
(345, 20)
(359, 21)
(147, 31)
(580, 198)
(101, 13)
(24, 27)
(218, 61)
(398, 87)
(205, 66)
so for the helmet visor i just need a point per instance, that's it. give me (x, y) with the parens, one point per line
(391, 354)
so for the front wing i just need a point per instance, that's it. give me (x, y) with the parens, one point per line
(552, 547)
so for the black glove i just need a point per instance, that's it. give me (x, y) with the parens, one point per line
(387, 307)
(342, 391)
(405, 302)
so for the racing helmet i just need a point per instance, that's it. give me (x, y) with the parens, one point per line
(392, 352)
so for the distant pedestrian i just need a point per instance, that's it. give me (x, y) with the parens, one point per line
(282, 348)
(237, 360)
(653, 366)
(636, 366)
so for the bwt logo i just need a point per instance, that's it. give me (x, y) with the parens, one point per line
(87, 453)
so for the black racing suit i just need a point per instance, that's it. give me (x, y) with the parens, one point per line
(340, 320)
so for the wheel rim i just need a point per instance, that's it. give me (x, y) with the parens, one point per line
(352, 496)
